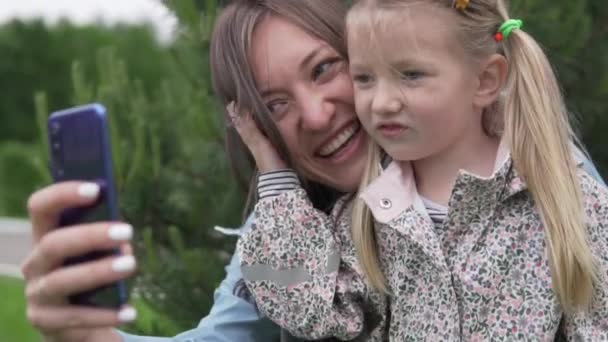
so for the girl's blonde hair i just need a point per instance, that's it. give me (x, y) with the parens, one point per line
(535, 124)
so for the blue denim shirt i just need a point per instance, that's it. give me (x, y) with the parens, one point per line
(234, 319)
(590, 168)
(231, 318)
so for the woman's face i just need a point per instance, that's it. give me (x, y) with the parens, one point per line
(305, 84)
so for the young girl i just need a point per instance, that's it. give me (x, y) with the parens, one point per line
(481, 228)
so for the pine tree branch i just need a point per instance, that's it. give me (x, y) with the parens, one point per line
(194, 82)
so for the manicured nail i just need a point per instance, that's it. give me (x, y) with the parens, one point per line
(88, 190)
(127, 314)
(124, 263)
(120, 232)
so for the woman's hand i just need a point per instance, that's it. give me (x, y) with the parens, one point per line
(48, 283)
(265, 154)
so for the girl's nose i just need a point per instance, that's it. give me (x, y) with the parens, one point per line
(387, 100)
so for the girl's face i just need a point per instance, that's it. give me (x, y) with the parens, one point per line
(414, 84)
(305, 84)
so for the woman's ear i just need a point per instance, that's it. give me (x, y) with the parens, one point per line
(492, 77)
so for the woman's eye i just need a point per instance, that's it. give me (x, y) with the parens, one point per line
(412, 75)
(323, 68)
(277, 108)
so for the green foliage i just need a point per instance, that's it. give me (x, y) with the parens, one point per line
(151, 322)
(38, 57)
(575, 37)
(20, 175)
(13, 325)
(23, 167)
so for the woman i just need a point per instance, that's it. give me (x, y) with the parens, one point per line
(294, 78)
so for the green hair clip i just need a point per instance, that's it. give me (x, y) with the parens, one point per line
(504, 31)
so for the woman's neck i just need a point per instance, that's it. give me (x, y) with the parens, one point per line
(436, 175)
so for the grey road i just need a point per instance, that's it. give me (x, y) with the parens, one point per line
(15, 242)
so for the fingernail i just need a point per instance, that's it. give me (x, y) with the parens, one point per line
(120, 232)
(127, 314)
(88, 190)
(124, 263)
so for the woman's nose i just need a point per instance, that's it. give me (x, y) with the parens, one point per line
(317, 114)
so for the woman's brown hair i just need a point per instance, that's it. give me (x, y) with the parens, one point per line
(233, 79)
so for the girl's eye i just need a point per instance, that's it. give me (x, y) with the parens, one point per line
(325, 68)
(362, 79)
(412, 75)
(277, 108)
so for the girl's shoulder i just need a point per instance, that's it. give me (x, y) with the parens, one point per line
(591, 188)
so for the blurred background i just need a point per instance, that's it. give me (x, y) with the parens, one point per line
(147, 62)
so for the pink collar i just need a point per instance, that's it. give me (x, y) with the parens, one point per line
(395, 189)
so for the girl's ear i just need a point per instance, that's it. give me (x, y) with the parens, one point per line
(492, 77)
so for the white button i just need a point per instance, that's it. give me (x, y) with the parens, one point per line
(385, 203)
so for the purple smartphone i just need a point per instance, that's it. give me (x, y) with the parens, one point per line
(80, 150)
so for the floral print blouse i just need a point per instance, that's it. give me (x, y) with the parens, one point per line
(482, 275)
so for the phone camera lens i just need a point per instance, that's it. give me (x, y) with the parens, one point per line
(55, 127)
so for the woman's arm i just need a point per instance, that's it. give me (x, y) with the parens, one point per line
(590, 168)
(231, 318)
(587, 164)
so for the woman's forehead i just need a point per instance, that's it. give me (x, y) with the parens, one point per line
(279, 46)
(275, 34)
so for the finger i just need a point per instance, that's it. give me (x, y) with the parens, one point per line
(45, 205)
(49, 318)
(232, 114)
(231, 110)
(245, 125)
(264, 153)
(249, 131)
(59, 244)
(126, 249)
(68, 280)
